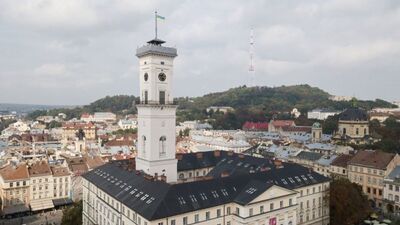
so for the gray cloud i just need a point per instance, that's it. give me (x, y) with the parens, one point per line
(73, 52)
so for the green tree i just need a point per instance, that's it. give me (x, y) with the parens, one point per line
(348, 204)
(72, 215)
(54, 124)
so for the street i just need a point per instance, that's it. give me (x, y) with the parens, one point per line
(53, 217)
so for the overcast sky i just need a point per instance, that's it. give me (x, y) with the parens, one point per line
(76, 51)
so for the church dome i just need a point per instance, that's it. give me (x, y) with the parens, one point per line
(316, 125)
(354, 114)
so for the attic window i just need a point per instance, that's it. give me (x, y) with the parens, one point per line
(193, 198)
(181, 200)
(297, 178)
(215, 194)
(291, 180)
(304, 177)
(251, 190)
(230, 161)
(139, 194)
(284, 181)
(150, 200)
(224, 192)
(144, 197)
(239, 164)
(203, 196)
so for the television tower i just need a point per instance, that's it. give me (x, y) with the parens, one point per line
(251, 64)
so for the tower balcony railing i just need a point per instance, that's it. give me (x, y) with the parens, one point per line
(142, 102)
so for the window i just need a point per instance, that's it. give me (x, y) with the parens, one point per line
(173, 222)
(271, 206)
(163, 139)
(290, 202)
(218, 212)
(146, 97)
(162, 97)
(228, 210)
(261, 209)
(144, 144)
(207, 215)
(162, 62)
(185, 220)
(281, 204)
(251, 212)
(196, 218)
(237, 211)
(357, 131)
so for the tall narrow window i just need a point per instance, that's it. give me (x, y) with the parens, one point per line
(144, 144)
(344, 131)
(146, 97)
(163, 139)
(162, 97)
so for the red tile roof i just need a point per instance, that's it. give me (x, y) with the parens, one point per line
(10, 172)
(342, 160)
(283, 123)
(374, 159)
(255, 126)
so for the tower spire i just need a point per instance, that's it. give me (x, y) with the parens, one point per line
(155, 18)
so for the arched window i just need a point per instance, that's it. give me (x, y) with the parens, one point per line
(181, 176)
(163, 139)
(144, 144)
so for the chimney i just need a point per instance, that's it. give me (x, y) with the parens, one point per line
(179, 156)
(278, 163)
(199, 155)
(224, 174)
(217, 153)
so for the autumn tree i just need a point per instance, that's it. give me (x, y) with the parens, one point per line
(348, 204)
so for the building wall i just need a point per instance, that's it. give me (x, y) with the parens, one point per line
(306, 205)
(354, 129)
(14, 192)
(61, 186)
(42, 187)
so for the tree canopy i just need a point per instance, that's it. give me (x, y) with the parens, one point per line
(348, 204)
(72, 215)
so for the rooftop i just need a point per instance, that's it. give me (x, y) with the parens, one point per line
(354, 114)
(373, 159)
(154, 199)
(11, 172)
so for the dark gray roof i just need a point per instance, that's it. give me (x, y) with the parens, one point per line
(354, 114)
(312, 156)
(155, 199)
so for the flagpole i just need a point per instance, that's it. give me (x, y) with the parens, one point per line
(156, 22)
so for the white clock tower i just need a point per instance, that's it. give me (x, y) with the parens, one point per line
(156, 111)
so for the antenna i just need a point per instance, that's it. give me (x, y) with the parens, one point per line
(251, 53)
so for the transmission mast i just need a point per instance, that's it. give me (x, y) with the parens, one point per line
(251, 64)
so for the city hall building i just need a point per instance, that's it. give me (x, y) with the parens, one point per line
(160, 187)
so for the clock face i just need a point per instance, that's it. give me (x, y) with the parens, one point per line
(162, 76)
(146, 77)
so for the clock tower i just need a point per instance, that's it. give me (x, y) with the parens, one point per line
(156, 111)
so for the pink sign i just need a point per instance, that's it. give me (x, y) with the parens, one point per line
(272, 221)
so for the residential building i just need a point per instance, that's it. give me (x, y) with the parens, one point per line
(339, 166)
(42, 186)
(369, 168)
(223, 109)
(70, 130)
(321, 114)
(277, 125)
(14, 189)
(127, 124)
(391, 192)
(255, 126)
